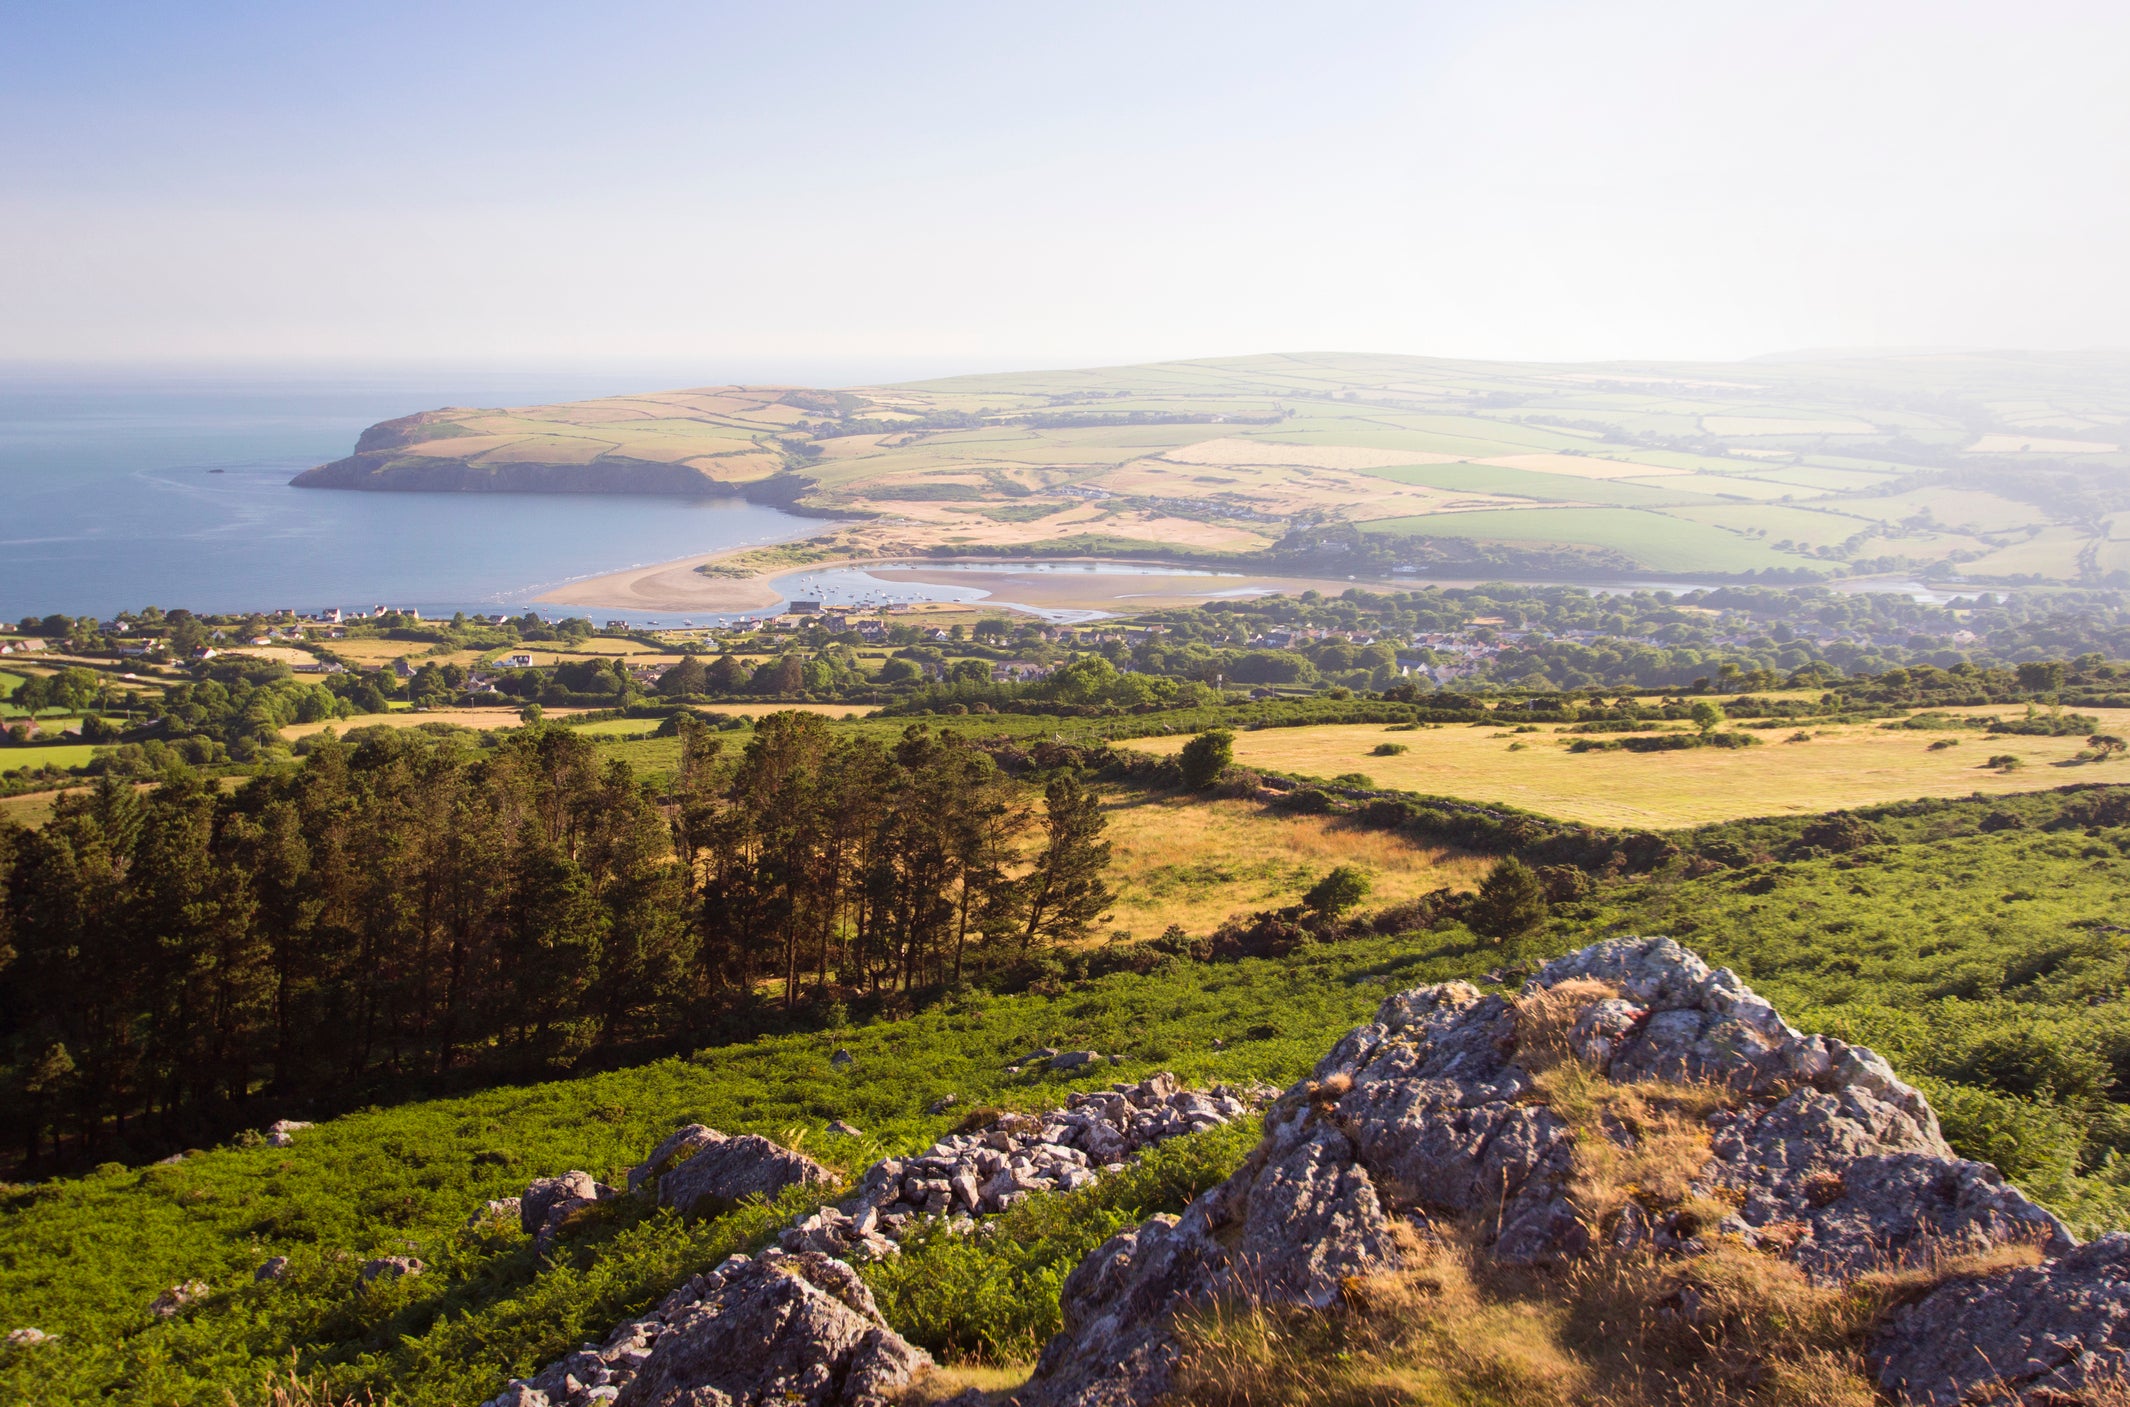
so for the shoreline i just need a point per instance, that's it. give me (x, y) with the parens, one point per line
(679, 587)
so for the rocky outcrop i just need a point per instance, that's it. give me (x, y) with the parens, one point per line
(282, 1132)
(987, 1170)
(178, 1298)
(1431, 1114)
(779, 1328)
(1055, 1151)
(775, 1328)
(389, 1268)
(720, 1171)
(2046, 1333)
(549, 1202)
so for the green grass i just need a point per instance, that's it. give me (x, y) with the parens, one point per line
(84, 1256)
(1526, 483)
(1656, 540)
(15, 759)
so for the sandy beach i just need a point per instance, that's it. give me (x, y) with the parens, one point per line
(678, 586)
(667, 586)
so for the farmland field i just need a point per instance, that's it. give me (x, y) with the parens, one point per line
(1177, 860)
(1657, 540)
(1843, 765)
(1224, 455)
(14, 759)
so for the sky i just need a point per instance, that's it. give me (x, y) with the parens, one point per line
(944, 187)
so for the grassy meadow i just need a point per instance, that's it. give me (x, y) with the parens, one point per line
(46, 755)
(1193, 863)
(1839, 765)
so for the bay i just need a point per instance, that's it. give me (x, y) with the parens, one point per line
(122, 491)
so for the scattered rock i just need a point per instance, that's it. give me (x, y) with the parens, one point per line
(1120, 1120)
(1073, 1059)
(390, 1268)
(549, 1202)
(942, 1104)
(272, 1268)
(502, 1211)
(837, 1126)
(1041, 1055)
(282, 1132)
(724, 1170)
(177, 1298)
(170, 1162)
(790, 1329)
(1828, 1159)
(843, 1060)
(27, 1338)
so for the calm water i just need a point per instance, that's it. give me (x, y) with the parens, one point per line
(109, 500)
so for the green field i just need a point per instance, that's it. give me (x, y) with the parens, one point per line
(1656, 540)
(1549, 488)
(15, 759)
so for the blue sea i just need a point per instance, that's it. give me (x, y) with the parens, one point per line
(122, 491)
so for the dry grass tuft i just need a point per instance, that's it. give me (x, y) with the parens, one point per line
(997, 1382)
(296, 1391)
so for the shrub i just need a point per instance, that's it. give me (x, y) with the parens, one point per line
(1510, 901)
(1206, 756)
(1387, 749)
(1337, 891)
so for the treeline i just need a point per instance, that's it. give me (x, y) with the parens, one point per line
(181, 961)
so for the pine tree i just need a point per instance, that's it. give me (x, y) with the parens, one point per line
(1065, 892)
(1510, 901)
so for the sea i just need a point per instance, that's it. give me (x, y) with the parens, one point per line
(120, 491)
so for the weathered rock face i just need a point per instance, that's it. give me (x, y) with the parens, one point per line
(976, 1174)
(780, 1328)
(549, 1202)
(282, 1132)
(723, 1170)
(175, 1300)
(2045, 1332)
(1425, 1114)
(390, 1268)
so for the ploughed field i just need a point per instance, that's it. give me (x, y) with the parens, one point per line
(1839, 765)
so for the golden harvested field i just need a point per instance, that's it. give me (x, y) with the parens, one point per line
(279, 654)
(372, 653)
(409, 718)
(1194, 863)
(1843, 765)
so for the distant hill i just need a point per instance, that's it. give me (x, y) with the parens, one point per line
(1996, 467)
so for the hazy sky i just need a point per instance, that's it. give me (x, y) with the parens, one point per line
(999, 184)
